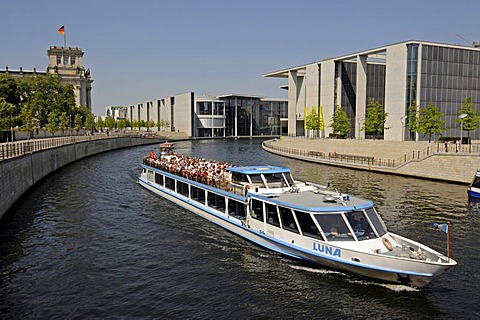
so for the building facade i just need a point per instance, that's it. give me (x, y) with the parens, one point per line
(395, 75)
(67, 63)
(213, 116)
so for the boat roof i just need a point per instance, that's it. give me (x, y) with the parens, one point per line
(311, 201)
(258, 169)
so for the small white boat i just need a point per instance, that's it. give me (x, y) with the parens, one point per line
(473, 189)
(265, 205)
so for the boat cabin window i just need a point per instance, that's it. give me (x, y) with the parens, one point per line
(289, 178)
(198, 194)
(334, 227)
(159, 179)
(272, 214)
(257, 180)
(257, 210)
(239, 177)
(307, 225)
(182, 188)
(288, 221)
(275, 180)
(360, 225)
(236, 209)
(170, 183)
(475, 183)
(216, 201)
(376, 221)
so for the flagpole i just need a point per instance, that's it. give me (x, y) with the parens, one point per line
(448, 241)
(64, 38)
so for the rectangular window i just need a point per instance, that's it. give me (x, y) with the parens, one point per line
(182, 188)
(59, 59)
(257, 210)
(308, 227)
(288, 221)
(236, 209)
(216, 201)
(334, 227)
(218, 108)
(360, 225)
(170, 183)
(73, 60)
(159, 179)
(198, 194)
(272, 215)
(65, 60)
(275, 180)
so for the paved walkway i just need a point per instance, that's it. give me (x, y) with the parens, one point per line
(418, 159)
(372, 148)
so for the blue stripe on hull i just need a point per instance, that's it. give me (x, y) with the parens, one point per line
(473, 193)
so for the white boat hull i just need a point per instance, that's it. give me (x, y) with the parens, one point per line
(332, 254)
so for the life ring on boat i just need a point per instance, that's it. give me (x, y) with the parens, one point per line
(387, 243)
(247, 186)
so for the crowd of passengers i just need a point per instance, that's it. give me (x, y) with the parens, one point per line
(212, 173)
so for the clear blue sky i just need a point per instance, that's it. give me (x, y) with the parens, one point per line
(145, 49)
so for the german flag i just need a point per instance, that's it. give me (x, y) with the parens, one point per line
(61, 30)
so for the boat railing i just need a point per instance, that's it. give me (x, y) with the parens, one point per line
(219, 183)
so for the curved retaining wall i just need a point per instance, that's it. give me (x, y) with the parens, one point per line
(19, 174)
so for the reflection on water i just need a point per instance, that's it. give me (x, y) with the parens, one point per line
(89, 242)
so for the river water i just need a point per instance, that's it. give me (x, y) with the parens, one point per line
(89, 242)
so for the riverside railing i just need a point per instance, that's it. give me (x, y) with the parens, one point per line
(438, 148)
(20, 148)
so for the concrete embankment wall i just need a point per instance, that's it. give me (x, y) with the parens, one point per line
(453, 167)
(19, 174)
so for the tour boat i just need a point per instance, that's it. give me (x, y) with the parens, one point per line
(166, 146)
(473, 189)
(304, 220)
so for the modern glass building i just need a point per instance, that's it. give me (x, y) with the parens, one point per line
(215, 116)
(395, 75)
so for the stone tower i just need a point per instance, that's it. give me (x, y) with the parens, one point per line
(67, 63)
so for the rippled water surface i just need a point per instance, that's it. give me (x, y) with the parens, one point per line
(89, 242)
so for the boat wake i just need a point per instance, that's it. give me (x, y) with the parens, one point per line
(392, 287)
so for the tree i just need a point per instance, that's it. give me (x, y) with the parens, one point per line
(375, 118)
(78, 122)
(64, 122)
(9, 89)
(30, 121)
(312, 121)
(90, 122)
(121, 124)
(471, 121)
(430, 122)
(52, 124)
(340, 122)
(109, 122)
(412, 117)
(100, 124)
(7, 114)
(44, 94)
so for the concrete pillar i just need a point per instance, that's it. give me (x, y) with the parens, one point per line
(292, 102)
(361, 95)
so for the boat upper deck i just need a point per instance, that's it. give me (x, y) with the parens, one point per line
(310, 198)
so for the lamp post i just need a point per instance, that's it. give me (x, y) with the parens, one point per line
(461, 117)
